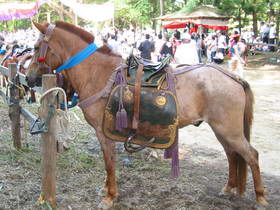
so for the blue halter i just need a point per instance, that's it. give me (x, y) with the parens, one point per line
(78, 58)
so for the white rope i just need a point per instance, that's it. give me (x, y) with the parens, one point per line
(1, 81)
(63, 133)
(55, 89)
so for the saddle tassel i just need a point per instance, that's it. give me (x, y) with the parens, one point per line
(121, 116)
(173, 153)
(121, 119)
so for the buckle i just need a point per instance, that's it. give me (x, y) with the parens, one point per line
(46, 38)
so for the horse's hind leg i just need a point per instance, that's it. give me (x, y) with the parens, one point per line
(250, 154)
(233, 140)
(231, 186)
(109, 155)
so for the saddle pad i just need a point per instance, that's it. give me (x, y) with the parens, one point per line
(157, 119)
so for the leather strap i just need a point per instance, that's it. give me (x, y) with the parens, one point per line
(137, 90)
(184, 69)
(105, 91)
(45, 39)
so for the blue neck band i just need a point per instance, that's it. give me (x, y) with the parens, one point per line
(78, 58)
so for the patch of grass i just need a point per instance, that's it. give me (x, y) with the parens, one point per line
(75, 161)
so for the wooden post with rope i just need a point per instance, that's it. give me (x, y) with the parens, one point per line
(14, 108)
(49, 143)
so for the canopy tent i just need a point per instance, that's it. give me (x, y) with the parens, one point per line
(91, 12)
(205, 16)
(10, 11)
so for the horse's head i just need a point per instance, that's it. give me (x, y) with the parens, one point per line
(46, 57)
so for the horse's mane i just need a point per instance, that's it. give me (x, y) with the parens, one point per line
(86, 36)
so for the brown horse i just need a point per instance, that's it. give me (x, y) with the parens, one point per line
(205, 94)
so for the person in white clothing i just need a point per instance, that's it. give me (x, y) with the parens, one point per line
(272, 36)
(186, 52)
(113, 44)
(222, 43)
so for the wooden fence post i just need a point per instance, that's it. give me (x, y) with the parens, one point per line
(14, 108)
(49, 148)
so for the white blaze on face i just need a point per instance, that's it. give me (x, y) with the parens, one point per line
(26, 64)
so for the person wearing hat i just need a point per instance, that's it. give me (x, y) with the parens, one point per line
(237, 51)
(186, 52)
(272, 36)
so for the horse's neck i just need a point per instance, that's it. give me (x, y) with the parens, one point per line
(91, 76)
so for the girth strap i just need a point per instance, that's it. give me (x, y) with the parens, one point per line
(137, 91)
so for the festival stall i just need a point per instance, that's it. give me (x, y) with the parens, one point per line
(204, 16)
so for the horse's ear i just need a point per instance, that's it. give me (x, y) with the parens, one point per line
(40, 27)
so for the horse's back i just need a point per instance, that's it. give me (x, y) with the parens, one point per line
(204, 93)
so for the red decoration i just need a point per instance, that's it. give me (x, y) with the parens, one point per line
(40, 60)
(175, 24)
(178, 24)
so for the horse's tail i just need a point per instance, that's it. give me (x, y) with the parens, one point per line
(247, 123)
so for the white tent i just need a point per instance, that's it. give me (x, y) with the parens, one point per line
(91, 12)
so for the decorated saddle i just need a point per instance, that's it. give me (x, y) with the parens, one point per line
(139, 110)
(157, 116)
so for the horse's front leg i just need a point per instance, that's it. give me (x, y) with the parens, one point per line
(109, 155)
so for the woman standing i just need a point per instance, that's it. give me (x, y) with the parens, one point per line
(237, 51)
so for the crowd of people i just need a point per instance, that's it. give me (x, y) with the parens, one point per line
(184, 47)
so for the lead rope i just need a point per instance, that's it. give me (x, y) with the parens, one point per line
(63, 134)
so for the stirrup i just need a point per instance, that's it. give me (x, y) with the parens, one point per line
(131, 149)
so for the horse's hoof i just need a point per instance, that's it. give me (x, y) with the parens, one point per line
(228, 191)
(259, 207)
(261, 201)
(103, 192)
(105, 204)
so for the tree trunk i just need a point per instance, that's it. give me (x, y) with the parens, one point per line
(154, 3)
(161, 2)
(255, 23)
(278, 25)
(239, 20)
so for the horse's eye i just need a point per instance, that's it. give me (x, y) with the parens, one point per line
(36, 48)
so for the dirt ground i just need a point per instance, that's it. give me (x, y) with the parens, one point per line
(144, 181)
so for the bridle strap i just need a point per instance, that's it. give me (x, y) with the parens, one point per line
(45, 39)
